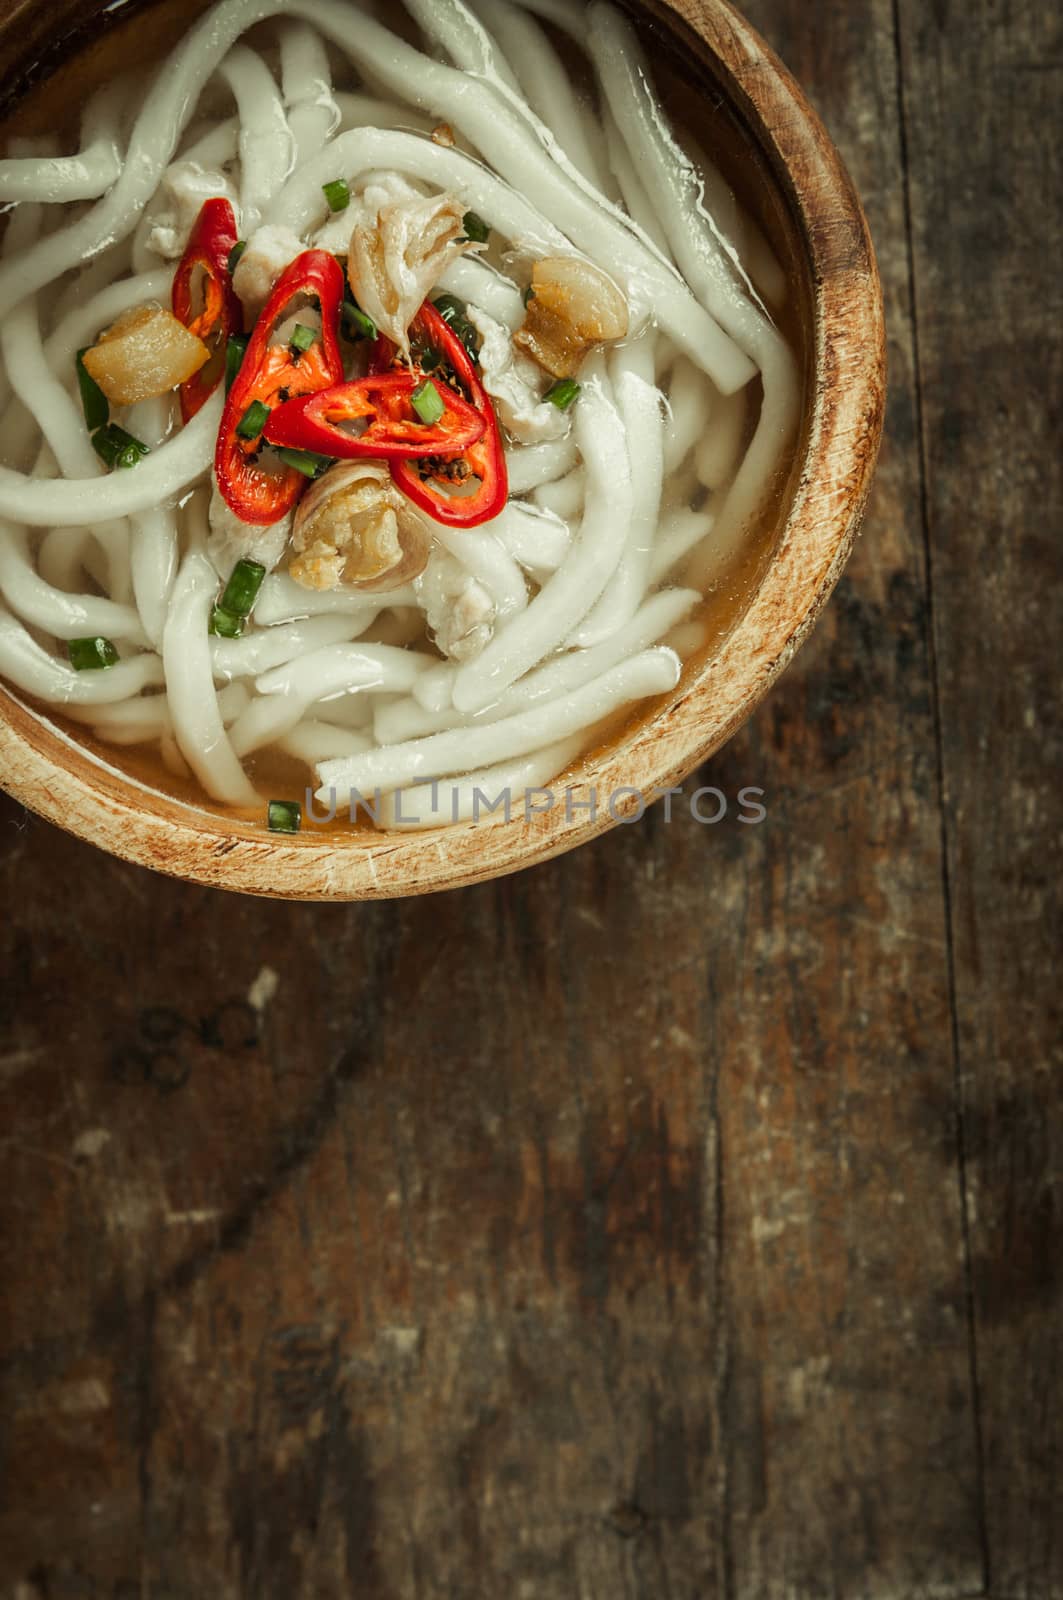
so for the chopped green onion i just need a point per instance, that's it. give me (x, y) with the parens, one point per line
(235, 351)
(90, 655)
(253, 421)
(302, 337)
(94, 402)
(117, 448)
(338, 194)
(234, 255)
(453, 311)
(564, 393)
(427, 401)
(476, 228)
(307, 462)
(225, 625)
(356, 325)
(529, 295)
(284, 816)
(241, 591)
(450, 308)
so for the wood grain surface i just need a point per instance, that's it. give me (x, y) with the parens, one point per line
(679, 1220)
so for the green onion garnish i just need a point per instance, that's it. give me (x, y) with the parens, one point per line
(476, 228)
(253, 421)
(234, 255)
(225, 625)
(94, 402)
(450, 308)
(302, 337)
(90, 655)
(241, 591)
(307, 462)
(529, 295)
(284, 816)
(427, 401)
(117, 448)
(454, 314)
(564, 393)
(356, 325)
(338, 194)
(235, 351)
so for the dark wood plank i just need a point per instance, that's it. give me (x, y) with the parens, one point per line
(982, 114)
(594, 1233)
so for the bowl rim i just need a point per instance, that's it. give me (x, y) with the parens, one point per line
(51, 774)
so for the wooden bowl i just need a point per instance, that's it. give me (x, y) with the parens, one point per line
(808, 204)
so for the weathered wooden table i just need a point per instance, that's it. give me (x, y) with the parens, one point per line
(680, 1220)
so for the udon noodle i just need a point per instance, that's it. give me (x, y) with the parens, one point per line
(608, 413)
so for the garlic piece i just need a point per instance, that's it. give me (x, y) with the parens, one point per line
(146, 353)
(354, 528)
(400, 247)
(574, 305)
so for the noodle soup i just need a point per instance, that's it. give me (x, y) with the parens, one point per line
(220, 558)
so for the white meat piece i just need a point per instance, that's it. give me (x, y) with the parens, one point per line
(185, 186)
(231, 540)
(511, 380)
(401, 244)
(269, 251)
(458, 609)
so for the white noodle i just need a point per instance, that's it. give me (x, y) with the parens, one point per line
(25, 664)
(633, 190)
(406, 719)
(314, 741)
(343, 668)
(536, 539)
(51, 179)
(265, 648)
(547, 87)
(568, 596)
(651, 673)
(688, 415)
(302, 206)
(495, 794)
(538, 464)
(703, 256)
(70, 502)
(482, 286)
(197, 722)
(639, 401)
(679, 534)
(487, 559)
(313, 115)
(55, 413)
(67, 616)
(281, 599)
(267, 149)
(61, 178)
(589, 219)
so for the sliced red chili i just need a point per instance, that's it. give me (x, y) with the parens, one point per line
(393, 428)
(203, 276)
(269, 377)
(461, 488)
